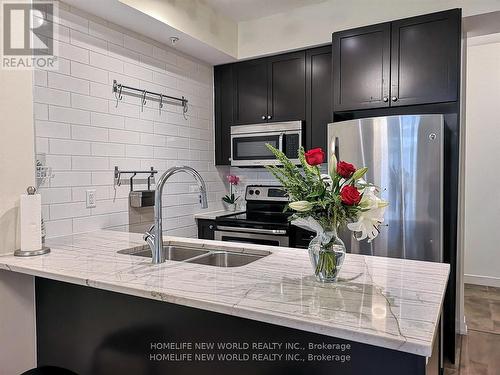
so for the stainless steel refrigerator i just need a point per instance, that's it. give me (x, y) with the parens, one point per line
(404, 155)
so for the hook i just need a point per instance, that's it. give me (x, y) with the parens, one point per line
(143, 103)
(118, 94)
(184, 108)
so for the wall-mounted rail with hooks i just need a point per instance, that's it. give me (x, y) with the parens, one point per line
(118, 176)
(120, 89)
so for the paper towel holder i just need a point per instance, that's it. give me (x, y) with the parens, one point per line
(44, 250)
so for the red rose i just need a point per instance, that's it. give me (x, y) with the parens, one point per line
(350, 195)
(345, 169)
(315, 156)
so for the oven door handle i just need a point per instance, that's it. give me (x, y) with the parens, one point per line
(252, 230)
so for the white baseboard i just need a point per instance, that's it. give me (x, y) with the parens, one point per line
(482, 280)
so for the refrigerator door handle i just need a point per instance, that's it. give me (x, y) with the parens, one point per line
(334, 145)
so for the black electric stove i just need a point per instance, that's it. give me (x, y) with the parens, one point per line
(264, 222)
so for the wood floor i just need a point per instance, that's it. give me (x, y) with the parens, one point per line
(480, 349)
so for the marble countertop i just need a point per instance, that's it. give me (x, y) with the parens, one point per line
(213, 214)
(391, 303)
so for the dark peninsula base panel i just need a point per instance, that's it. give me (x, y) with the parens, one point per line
(92, 331)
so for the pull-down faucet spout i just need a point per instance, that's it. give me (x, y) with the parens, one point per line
(154, 237)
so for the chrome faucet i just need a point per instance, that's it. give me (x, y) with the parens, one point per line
(153, 236)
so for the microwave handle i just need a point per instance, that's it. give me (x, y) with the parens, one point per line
(280, 142)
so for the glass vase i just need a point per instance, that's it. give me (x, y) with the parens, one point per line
(327, 253)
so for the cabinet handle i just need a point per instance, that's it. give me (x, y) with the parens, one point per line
(386, 99)
(263, 117)
(394, 98)
(269, 117)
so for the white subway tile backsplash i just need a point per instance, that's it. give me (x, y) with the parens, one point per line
(89, 163)
(89, 133)
(123, 54)
(125, 109)
(41, 145)
(40, 111)
(138, 45)
(89, 103)
(50, 96)
(165, 80)
(40, 78)
(107, 121)
(73, 53)
(138, 72)
(106, 62)
(56, 228)
(84, 134)
(68, 210)
(101, 90)
(67, 83)
(58, 162)
(139, 125)
(105, 33)
(70, 179)
(153, 139)
(71, 20)
(92, 223)
(108, 149)
(86, 41)
(88, 72)
(123, 136)
(67, 147)
(138, 151)
(52, 129)
(55, 195)
(70, 115)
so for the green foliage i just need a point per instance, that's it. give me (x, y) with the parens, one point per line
(230, 199)
(322, 191)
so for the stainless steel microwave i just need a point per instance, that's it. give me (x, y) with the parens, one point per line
(248, 143)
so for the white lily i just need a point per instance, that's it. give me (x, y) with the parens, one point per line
(372, 215)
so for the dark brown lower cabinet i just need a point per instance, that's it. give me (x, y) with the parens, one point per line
(206, 229)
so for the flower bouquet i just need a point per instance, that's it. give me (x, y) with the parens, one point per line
(323, 203)
(230, 199)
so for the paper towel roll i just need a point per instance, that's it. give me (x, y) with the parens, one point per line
(31, 227)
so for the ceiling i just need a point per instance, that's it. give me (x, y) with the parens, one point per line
(245, 10)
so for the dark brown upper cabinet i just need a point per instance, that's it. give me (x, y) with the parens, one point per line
(406, 62)
(270, 89)
(250, 92)
(287, 87)
(224, 99)
(361, 67)
(425, 58)
(318, 96)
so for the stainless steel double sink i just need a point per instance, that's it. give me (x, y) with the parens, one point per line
(214, 258)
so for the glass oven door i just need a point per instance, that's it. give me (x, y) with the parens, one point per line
(252, 238)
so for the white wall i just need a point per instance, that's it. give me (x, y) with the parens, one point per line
(17, 167)
(84, 135)
(482, 196)
(195, 18)
(313, 25)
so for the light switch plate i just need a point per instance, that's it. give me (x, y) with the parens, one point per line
(90, 199)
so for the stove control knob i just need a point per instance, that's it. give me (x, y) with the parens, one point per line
(257, 192)
(250, 192)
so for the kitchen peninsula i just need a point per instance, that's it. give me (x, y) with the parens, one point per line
(99, 310)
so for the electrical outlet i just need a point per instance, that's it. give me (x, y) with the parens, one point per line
(91, 203)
